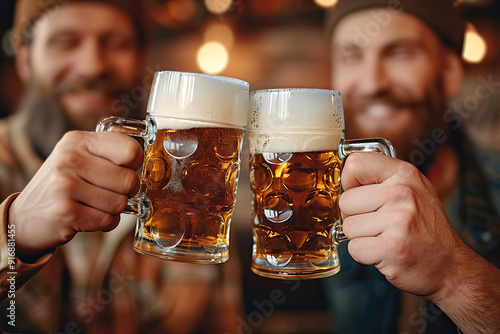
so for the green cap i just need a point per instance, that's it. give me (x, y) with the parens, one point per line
(444, 17)
(28, 11)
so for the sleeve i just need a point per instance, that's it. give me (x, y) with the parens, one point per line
(13, 272)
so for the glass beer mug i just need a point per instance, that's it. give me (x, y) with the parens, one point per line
(297, 150)
(193, 135)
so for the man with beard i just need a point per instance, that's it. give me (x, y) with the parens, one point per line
(80, 61)
(397, 63)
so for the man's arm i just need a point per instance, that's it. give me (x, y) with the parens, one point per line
(471, 297)
(83, 186)
(395, 221)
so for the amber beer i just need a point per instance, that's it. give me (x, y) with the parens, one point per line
(190, 179)
(295, 199)
(295, 171)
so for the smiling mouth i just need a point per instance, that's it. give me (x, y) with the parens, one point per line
(89, 98)
(379, 112)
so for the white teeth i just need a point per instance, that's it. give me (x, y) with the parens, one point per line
(378, 111)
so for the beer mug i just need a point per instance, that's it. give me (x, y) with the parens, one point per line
(297, 150)
(193, 135)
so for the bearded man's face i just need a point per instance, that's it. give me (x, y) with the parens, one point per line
(85, 57)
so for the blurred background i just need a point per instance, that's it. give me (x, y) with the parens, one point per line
(270, 44)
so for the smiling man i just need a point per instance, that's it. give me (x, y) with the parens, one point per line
(397, 63)
(77, 61)
(82, 60)
(394, 70)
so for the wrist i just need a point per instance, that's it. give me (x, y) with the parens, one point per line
(22, 250)
(470, 294)
(454, 276)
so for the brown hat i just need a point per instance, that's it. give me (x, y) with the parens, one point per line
(443, 16)
(28, 11)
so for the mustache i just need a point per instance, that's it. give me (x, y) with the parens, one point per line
(361, 103)
(85, 85)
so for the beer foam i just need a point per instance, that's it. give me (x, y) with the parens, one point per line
(181, 100)
(295, 120)
(293, 142)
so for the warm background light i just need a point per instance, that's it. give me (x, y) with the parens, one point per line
(326, 3)
(219, 32)
(212, 57)
(474, 46)
(218, 6)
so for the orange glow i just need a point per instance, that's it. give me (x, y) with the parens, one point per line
(326, 3)
(219, 32)
(218, 6)
(474, 46)
(212, 57)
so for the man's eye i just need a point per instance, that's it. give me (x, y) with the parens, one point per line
(117, 43)
(401, 53)
(63, 43)
(348, 57)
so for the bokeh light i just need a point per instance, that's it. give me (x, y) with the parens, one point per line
(474, 46)
(212, 57)
(218, 6)
(219, 32)
(326, 3)
(175, 14)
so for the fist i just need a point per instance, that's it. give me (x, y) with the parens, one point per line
(395, 221)
(83, 186)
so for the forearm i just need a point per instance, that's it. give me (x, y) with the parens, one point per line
(471, 297)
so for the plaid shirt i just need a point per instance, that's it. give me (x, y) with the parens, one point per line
(97, 283)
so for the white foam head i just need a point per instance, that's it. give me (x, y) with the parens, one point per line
(295, 120)
(179, 100)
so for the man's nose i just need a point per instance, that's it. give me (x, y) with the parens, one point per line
(374, 79)
(91, 61)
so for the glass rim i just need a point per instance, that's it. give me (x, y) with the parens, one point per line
(229, 80)
(312, 90)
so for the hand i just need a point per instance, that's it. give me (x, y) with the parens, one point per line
(394, 220)
(83, 186)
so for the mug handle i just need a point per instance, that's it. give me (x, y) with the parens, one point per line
(138, 205)
(346, 147)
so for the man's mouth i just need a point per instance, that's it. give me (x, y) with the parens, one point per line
(378, 114)
(89, 98)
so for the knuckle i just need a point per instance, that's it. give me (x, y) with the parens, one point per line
(72, 159)
(348, 226)
(345, 201)
(59, 168)
(408, 171)
(65, 184)
(391, 273)
(109, 222)
(402, 218)
(354, 249)
(66, 160)
(353, 161)
(64, 235)
(72, 137)
(131, 150)
(403, 222)
(120, 204)
(88, 142)
(399, 248)
(402, 193)
(131, 182)
(65, 210)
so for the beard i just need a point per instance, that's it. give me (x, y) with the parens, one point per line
(426, 115)
(46, 121)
